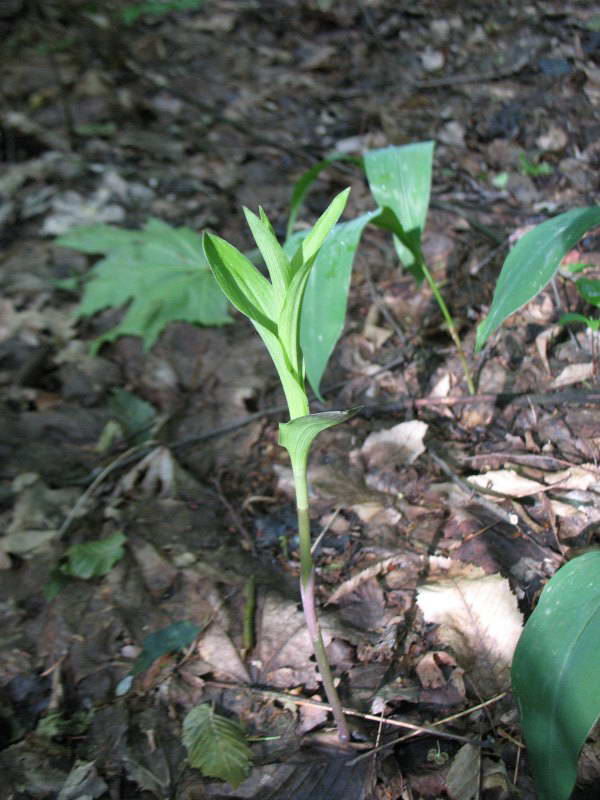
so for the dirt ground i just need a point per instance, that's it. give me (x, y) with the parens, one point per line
(170, 454)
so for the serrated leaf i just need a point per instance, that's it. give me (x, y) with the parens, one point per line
(166, 640)
(298, 434)
(555, 674)
(326, 296)
(160, 272)
(93, 559)
(532, 263)
(216, 745)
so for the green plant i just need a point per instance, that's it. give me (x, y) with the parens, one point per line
(555, 674)
(216, 745)
(400, 182)
(274, 308)
(154, 9)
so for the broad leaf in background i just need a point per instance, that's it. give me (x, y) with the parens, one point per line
(160, 271)
(400, 180)
(326, 296)
(216, 745)
(555, 674)
(533, 262)
(93, 559)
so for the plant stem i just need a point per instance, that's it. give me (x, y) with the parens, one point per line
(307, 593)
(450, 323)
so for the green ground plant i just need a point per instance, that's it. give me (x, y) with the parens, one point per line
(555, 667)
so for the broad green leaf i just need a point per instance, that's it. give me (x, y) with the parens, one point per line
(400, 180)
(298, 434)
(532, 263)
(93, 559)
(275, 259)
(306, 180)
(135, 415)
(555, 674)
(326, 296)
(216, 745)
(589, 289)
(243, 285)
(161, 272)
(310, 245)
(166, 640)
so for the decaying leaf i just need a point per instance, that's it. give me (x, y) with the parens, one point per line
(479, 619)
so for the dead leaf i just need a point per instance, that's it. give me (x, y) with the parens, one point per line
(573, 373)
(396, 446)
(507, 482)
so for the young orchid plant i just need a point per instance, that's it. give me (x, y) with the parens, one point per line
(274, 309)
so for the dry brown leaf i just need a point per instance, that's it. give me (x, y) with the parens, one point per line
(397, 446)
(479, 619)
(507, 482)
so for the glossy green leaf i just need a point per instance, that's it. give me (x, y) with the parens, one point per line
(532, 263)
(216, 745)
(555, 674)
(306, 180)
(94, 559)
(275, 259)
(166, 640)
(309, 246)
(242, 284)
(298, 434)
(400, 180)
(326, 296)
(160, 274)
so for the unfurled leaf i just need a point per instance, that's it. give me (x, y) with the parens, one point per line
(555, 674)
(275, 259)
(326, 296)
(533, 262)
(311, 243)
(160, 274)
(167, 640)
(93, 559)
(298, 434)
(216, 745)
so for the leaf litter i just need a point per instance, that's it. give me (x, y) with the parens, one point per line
(420, 579)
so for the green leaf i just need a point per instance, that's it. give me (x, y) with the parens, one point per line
(573, 316)
(166, 640)
(532, 263)
(400, 180)
(326, 296)
(306, 180)
(555, 674)
(275, 259)
(310, 245)
(160, 271)
(243, 285)
(92, 559)
(589, 289)
(298, 434)
(135, 415)
(216, 745)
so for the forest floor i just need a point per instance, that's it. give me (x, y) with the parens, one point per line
(165, 460)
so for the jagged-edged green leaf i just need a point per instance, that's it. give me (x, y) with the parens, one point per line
(311, 243)
(400, 180)
(532, 263)
(169, 639)
(93, 559)
(243, 285)
(216, 745)
(275, 259)
(555, 674)
(326, 296)
(298, 434)
(160, 274)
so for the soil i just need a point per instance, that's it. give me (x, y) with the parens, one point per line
(160, 467)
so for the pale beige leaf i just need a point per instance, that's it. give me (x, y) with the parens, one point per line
(508, 482)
